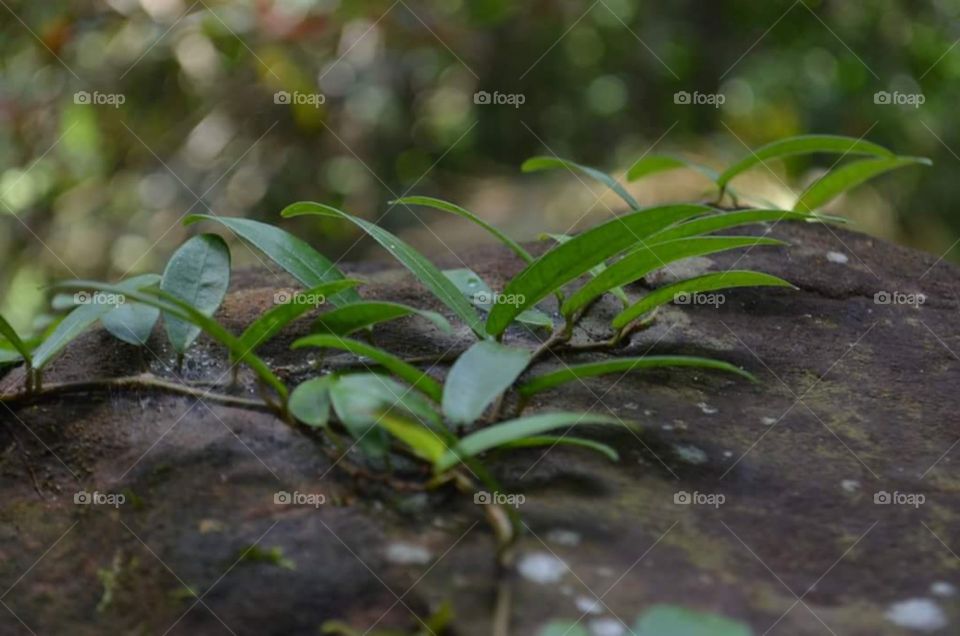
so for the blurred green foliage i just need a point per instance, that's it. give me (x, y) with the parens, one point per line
(118, 117)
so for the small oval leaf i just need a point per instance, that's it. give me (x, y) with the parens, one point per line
(310, 402)
(133, 322)
(478, 376)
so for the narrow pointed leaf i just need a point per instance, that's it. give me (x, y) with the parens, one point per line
(13, 338)
(653, 164)
(198, 273)
(425, 271)
(407, 372)
(476, 290)
(479, 375)
(566, 262)
(310, 401)
(133, 322)
(849, 176)
(294, 255)
(646, 259)
(567, 440)
(424, 442)
(595, 271)
(706, 283)
(446, 206)
(270, 323)
(727, 220)
(513, 430)
(536, 164)
(623, 366)
(355, 316)
(802, 145)
(8, 355)
(674, 620)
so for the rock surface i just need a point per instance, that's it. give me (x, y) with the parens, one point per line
(855, 398)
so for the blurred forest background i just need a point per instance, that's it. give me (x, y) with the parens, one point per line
(118, 117)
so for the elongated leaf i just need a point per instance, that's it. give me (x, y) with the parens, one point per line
(301, 261)
(536, 164)
(849, 176)
(595, 271)
(479, 375)
(644, 260)
(446, 206)
(727, 220)
(198, 273)
(708, 282)
(424, 442)
(653, 164)
(513, 430)
(13, 338)
(355, 316)
(407, 372)
(8, 355)
(170, 304)
(566, 262)
(623, 365)
(479, 293)
(425, 271)
(550, 440)
(133, 322)
(310, 401)
(661, 620)
(802, 145)
(270, 323)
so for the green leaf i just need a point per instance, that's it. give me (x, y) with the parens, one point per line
(478, 376)
(708, 282)
(310, 402)
(595, 271)
(672, 620)
(8, 355)
(133, 322)
(425, 271)
(513, 430)
(727, 220)
(622, 365)
(407, 372)
(10, 334)
(270, 323)
(647, 258)
(170, 304)
(653, 164)
(566, 262)
(802, 145)
(355, 316)
(198, 273)
(301, 261)
(424, 442)
(536, 164)
(479, 293)
(849, 176)
(446, 206)
(564, 628)
(549, 440)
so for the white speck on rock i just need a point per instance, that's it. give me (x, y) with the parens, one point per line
(917, 613)
(706, 408)
(606, 627)
(728, 453)
(850, 485)
(541, 567)
(691, 454)
(942, 588)
(837, 257)
(647, 412)
(561, 536)
(588, 605)
(769, 421)
(630, 405)
(408, 554)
